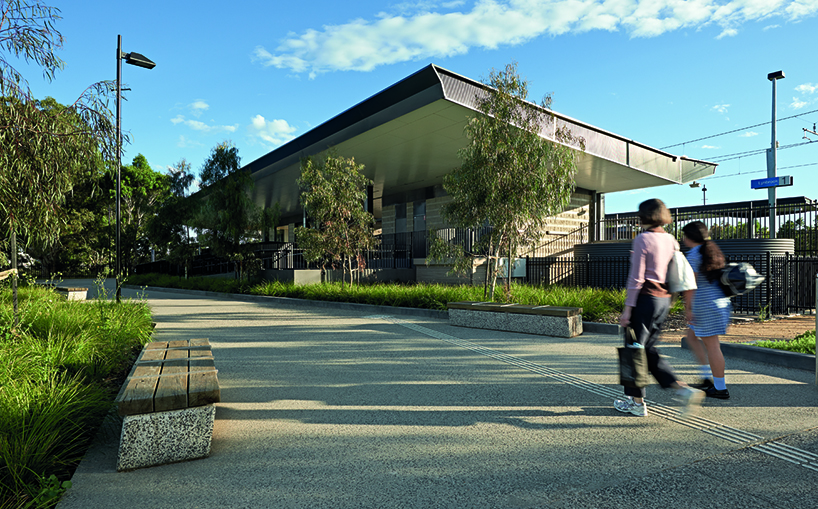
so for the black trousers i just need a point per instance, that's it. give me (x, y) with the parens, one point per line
(646, 320)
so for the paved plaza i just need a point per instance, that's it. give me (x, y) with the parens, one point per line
(327, 406)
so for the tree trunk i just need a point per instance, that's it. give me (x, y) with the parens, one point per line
(14, 275)
(343, 272)
(486, 281)
(508, 272)
(494, 256)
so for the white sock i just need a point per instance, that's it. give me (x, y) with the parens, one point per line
(705, 371)
(719, 384)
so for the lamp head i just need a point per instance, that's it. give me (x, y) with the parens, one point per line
(777, 75)
(694, 184)
(139, 60)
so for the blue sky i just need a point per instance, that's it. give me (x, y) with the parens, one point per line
(661, 72)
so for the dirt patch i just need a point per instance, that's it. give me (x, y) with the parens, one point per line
(748, 330)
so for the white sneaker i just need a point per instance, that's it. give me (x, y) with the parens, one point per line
(690, 400)
(629, 406)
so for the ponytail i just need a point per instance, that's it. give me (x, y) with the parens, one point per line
(712, 257)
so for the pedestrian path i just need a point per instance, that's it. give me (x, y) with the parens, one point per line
(333, 408)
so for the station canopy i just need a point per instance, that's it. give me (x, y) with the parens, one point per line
(408, 136)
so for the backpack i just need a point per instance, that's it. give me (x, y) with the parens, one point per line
(737, 278)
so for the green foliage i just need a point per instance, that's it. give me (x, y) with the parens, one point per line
(143, 192)
(510, 178)
(226, 215)
(168, 229)
(50, 491)
(333, 193)
(803, 233)
(55, 369)
(223, 161)
(41, 149)
(597, 304)
(803, 343)
(207, 284)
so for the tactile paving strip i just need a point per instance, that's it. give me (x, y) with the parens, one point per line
(781, 451)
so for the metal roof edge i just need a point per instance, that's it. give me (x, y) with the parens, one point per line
(415, 83)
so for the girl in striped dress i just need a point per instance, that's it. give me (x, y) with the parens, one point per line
(708, 310)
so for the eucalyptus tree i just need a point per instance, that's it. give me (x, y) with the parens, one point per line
(169, 228)
(333, 192)
(516, 171)
(40, 153)
(144, 191)
(226, 214)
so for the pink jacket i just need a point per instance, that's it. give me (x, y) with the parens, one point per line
(650, 256)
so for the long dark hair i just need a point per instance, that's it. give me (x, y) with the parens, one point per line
(712, 257)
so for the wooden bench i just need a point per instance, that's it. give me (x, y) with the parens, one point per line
(564, 322)
(72, 293)
(168, 404)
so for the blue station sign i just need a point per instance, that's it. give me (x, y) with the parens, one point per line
(785, 180)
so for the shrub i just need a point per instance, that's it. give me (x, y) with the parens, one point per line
(803, 343)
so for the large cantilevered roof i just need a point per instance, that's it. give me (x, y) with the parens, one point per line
(408, 136)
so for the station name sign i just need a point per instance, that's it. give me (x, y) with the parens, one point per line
(785, 180)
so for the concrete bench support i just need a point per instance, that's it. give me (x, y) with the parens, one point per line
(72, 293)
(554, 321)
(168, 405)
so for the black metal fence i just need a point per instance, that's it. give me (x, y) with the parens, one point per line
(795, 218)
(789, 286)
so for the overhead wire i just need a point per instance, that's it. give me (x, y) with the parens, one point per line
(737, 130)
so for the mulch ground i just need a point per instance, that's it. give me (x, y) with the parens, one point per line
(745, 330)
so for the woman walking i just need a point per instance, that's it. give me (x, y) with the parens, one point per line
(707, 308)
(647, 305)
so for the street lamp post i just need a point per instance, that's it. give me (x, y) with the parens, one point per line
(772, 156)
(138, 60)
(704, 195)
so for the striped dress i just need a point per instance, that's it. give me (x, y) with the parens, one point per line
(711, 309)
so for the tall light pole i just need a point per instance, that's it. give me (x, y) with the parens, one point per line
(704, 195)
(138, 60)
(772, 159)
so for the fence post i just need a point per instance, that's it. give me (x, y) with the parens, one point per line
(770, 301)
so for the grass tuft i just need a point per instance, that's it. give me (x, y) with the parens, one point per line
(58, 372)
(596, 304)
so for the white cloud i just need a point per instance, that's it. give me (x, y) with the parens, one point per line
(807, 88)
(770, 27)
(274, 132)
(198, 107)
(797, 103)
(425, 28)
(197, 125)
(710, 147)
(801, 8)
(748, 134)
(727, 32)
(184, 142)
(720, 108)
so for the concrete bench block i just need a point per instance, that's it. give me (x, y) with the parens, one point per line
(165, 437)
(72, 293)
(556, 322)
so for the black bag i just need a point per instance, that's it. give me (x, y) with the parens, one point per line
(738, 278)
(633, 363)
